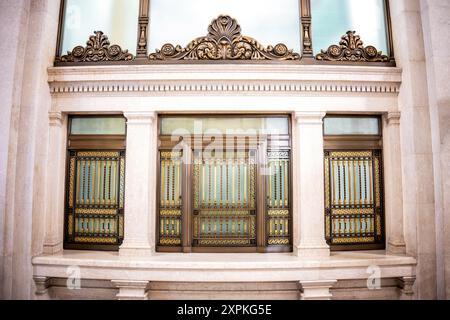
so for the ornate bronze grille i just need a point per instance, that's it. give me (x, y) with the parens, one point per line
(353, 197)
(224, 199)
(95, 197)
(170, 213)
(277, 189)
(224, 192)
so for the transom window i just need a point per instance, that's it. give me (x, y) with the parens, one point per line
(149, 31)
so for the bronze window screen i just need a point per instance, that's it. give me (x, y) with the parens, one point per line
(354, 194)
(95, 189)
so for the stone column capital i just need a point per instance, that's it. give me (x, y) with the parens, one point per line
(55, 118)
(393, 118)
(140, 117)
(309, 117)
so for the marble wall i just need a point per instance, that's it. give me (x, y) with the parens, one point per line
(28, 32)
(436, 27)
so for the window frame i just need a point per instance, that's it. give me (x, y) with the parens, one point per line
(347, 143)
(306, 42)
(91, 143)
(187, 205)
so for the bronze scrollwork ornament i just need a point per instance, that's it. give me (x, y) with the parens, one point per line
(97, 49)
(224, 42)
(351, 48)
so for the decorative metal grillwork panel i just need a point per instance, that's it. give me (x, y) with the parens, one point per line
(95, 199)
(353, 197)
(224, 199)
(170, 200)
(278, 200)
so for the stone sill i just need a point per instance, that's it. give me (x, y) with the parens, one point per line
(222, 267)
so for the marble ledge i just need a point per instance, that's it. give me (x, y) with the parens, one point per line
(222, 261)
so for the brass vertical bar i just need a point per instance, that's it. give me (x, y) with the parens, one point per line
(333, 182)
(162, 182)
(354, 183)
(143, 25)
(286, 183)
(389, 30)
(215, 183)
(305, 26)
(172, 163)
(350, 181)
(60, 28)
(370, 182)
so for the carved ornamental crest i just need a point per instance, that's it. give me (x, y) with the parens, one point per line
(351, 48)
(224, 42)
(97, 48)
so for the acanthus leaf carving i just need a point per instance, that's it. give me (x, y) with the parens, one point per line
(98, 48)
(351, 48)
(224, 42)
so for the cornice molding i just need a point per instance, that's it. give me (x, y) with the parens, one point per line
(223, 79)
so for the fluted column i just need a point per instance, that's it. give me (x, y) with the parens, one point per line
(309, 234)
(393, 184)
(54, 220)
(140, 184)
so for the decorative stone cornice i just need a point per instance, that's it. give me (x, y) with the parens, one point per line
(223, 79)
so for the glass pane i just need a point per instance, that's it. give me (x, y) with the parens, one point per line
(268, 21)
(242, 125)
(351, 126)
(331, 19)
(95, 125)
(118, 19)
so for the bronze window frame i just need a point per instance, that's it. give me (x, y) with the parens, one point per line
(261, 245)
(90, 143)
(346, 143)
(306, 41)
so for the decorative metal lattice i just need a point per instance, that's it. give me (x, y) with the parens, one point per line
(224, 199)
(95, 197)
(353, 197)
(277, 190)
(170, 212)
